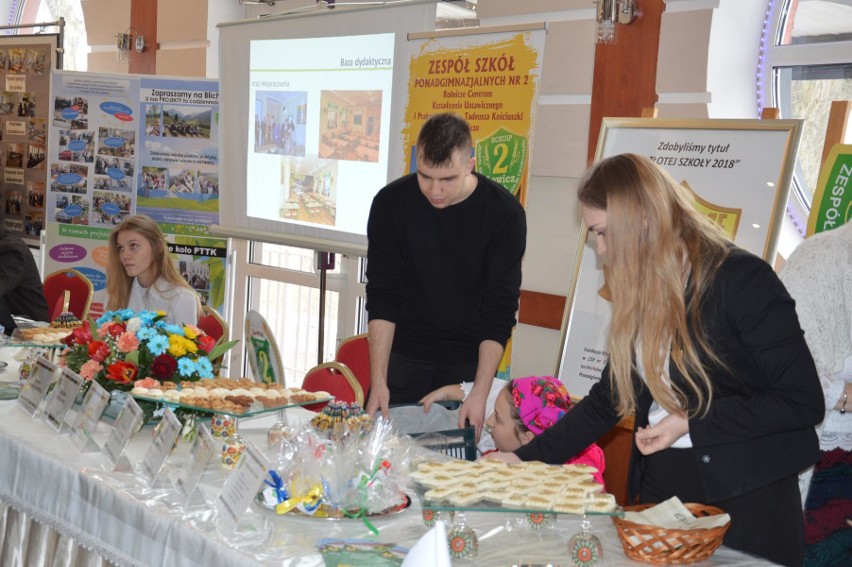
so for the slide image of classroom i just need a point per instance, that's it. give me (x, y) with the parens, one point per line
(35, 194)
(115, 142)
(36, 130)
(110, 208)
(279, 122)
(153, 114)
(27, 60)
(15, 155)
(35, 156)
(77, 145)
(309, 190)
(186, 122)
(350, 123)
(72, 209)
(68, 177)
(71, 112)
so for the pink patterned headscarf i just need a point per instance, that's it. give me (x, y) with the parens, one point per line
(541, 401)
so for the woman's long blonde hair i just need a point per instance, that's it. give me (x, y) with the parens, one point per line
(661, 258)
(119, 283)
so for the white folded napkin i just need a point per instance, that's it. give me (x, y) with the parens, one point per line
(672, 514)
(432, 549)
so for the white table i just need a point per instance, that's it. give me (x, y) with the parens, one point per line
(52, 496)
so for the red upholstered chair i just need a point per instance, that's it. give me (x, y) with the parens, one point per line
(212, 324)
(68, 290)
(336, 379)
(354, 352)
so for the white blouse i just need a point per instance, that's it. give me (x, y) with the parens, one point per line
(179, 303)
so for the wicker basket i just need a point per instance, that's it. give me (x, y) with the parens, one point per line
(662, 546)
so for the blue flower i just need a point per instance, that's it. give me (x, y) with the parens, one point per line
(205, 369)
(186, 367)
(126, 314)
(105, 318)
(146, 333)
(171, 329)
(147, 317)
(158, 344)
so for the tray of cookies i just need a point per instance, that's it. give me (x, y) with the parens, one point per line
(43, 337)
(529, 487)
(238, 397)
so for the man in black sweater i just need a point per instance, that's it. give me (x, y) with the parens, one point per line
(443, 274)
(20, 284)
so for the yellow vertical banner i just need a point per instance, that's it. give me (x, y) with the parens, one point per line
(491, 79)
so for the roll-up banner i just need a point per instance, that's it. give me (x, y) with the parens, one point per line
(125, 145)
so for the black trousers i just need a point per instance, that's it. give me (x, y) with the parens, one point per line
(766, 522)
(409, 379)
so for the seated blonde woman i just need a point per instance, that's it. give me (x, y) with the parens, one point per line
(142, 276)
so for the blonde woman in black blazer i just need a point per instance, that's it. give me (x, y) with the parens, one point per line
(707, 352)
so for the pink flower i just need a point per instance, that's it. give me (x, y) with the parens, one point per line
(90, 368)
(127, 342)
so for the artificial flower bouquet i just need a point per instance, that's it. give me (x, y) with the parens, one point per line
(124, 346)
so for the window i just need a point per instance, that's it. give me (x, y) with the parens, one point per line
(282, 283)
(811, 64)
(75, 41)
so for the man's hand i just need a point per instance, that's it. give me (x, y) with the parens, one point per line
(655, 438)
(508, 458)
(379, 400)
(473, 411)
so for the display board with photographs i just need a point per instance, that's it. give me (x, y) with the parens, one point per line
(25, 66)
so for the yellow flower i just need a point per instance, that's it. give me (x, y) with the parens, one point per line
(190, 332)
(177, 346)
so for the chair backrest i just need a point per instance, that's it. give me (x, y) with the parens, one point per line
(354, 352)
(78, 298)
(212, 324)
(336, 379)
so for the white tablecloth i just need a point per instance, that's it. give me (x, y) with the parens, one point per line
(44, 477)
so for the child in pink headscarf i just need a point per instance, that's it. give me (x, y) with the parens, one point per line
(528, 406)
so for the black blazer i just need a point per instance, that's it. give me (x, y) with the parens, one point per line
(766, 400)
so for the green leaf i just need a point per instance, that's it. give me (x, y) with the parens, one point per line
(220, 349)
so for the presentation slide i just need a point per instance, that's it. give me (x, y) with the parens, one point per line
(318, 123)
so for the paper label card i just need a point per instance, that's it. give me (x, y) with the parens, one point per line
(165, 437)
(64, 394)
(125, 426)
(37, 385)
(94, 404)
(241, 487)
(202, 451)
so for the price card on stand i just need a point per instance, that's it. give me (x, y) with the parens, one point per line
(64, 394)
(165, 437)
(125, 426)
(202, 451)
(36, 386)
(94, 404)
(241, 487)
